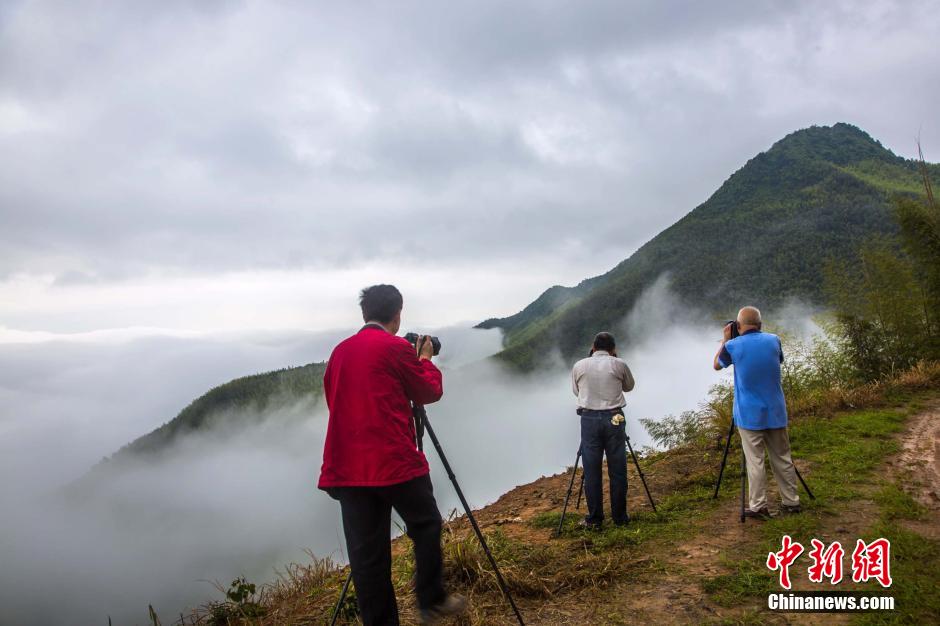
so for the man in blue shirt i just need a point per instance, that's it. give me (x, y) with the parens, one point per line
(760, 410)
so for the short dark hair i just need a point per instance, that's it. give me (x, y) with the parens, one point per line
(604, 341)
(380, 303)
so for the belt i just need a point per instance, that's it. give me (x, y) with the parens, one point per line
(599, 412)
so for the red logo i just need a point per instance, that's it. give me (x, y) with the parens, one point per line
(872, 561)
(783, 559)
(826, 563)
(869, 561)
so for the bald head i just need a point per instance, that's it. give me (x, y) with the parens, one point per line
(749, 316)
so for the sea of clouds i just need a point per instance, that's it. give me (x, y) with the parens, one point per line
(229, 502)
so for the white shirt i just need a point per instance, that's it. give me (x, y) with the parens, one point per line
(600, 380)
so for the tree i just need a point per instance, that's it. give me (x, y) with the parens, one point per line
(881, 308)
(919, 220)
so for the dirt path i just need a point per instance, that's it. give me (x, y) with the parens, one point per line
(917, 468)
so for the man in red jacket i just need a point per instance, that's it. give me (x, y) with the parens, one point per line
(371, 462)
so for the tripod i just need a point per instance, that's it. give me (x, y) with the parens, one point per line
(574, 471)
(423, 425)
(721, 471)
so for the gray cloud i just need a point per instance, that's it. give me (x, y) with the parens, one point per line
(141, 137)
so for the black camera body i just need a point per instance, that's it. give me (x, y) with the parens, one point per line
(412, 338)
(734, 328)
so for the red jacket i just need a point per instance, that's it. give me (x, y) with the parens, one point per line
(370, 439)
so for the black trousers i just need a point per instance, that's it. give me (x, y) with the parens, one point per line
(367, 520)
(599, 437)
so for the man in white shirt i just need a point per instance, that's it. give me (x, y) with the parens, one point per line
(599, 382)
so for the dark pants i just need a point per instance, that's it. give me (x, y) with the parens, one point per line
(367, 518)
(599, 436)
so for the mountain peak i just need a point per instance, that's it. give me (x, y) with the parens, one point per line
(841, 144)
(763, 237)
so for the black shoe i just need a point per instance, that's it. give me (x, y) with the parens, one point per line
(454, 604)
(763, 514)
(790, 509)
(586, 525)
(623, 522)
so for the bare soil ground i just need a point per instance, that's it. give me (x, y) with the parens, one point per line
(917, 468)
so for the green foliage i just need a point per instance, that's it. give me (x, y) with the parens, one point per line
(881, 309)
(671, 431)
(241, 591)
(241, 602)
(886, 300)
(920, 232)
(762, 238)
(816, 364)
(349, 609)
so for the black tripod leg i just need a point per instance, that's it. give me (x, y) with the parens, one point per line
(642, 477)
(580, 492)
(724, 459)
(803, 482)
(342, 597)
(466, 507)
(564, 509)
(743, 477)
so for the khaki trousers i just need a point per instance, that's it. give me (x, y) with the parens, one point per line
(777, 442)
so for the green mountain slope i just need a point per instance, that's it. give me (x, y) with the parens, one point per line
(762, 239)
(233, 404)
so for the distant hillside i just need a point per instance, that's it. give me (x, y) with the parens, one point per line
(762, 238)
(239, 399)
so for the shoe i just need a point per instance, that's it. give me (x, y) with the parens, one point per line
(453, 604)
(586, 525)
(623, 522)
(790, 509)
(762, 514)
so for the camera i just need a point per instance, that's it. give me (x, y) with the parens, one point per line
(412, 338)
(734, 328)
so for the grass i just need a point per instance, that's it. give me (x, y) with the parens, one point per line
(915, 563)
(533, 570)
(749, 579)
(676, 515)
(896, 504)
(845, 451)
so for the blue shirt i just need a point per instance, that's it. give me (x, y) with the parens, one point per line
(758, 396)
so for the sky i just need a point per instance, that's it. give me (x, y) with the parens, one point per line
(223, 166)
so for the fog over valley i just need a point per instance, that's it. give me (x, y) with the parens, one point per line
(229, 501)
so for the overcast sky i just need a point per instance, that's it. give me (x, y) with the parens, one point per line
(233, 165)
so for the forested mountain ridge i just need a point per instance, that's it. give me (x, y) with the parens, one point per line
(762, 238)
(239, 398)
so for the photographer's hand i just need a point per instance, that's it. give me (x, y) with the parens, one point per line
(424, 347)
(716, 362)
